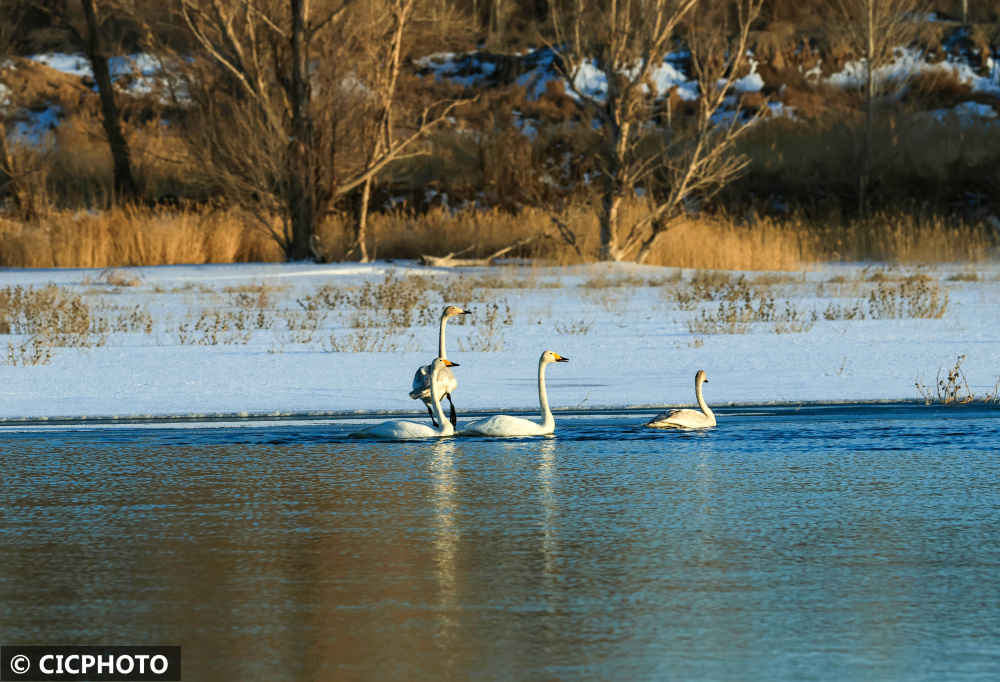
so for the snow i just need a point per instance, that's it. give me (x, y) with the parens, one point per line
(146, 72)
(72, 64)
(137, 75)
(592, 83)
(815, 72)
(779, 110)
(471, 69)
(32, 127)
(752, 82)
(636, 350)
(911, 61)
(466, 70)
(669, 74)
(964, 114)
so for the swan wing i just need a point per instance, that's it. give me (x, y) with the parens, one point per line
(661, 417)
(422, 383)
(682, 419)
(398, 430)
(502, 425)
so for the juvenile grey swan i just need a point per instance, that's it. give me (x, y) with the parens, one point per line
(422, 379)
(687, 419)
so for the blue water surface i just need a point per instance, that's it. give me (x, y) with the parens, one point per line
(839, 542)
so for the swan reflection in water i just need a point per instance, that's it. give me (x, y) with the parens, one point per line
(447, 535)
(549, 500)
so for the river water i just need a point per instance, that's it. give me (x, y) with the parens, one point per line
(820, 543)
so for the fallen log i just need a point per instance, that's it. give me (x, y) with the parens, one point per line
(451, 260)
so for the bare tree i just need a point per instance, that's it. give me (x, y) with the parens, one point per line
(688, 170)
(876, 28)
(91, 40)
(125, 187)
(497, 12)
(626, 41)
(385, 54)
(11, 176)
(283, 114)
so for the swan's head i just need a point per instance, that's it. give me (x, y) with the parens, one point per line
(452, 311)
(701, 377)
(440, 363)
(548, 356)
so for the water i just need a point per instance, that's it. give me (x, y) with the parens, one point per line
(823, 543)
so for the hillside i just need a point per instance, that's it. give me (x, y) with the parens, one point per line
(522, 139)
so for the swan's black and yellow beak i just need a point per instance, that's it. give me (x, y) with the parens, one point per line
(449, 363)
(465, 312)
(560, 358)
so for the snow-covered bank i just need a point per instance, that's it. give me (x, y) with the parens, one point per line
(625, 328)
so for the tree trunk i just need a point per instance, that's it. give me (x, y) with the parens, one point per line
(361, 221)
(616, 186)
(647, 246)
(610, 204)
(541, 10)
(125, 187)
(302, 198)
(383, 131)
(11, 184)
(866, 143)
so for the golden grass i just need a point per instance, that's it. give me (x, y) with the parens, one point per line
(711, 243)
(133, 236)
(123, 237)
(439, 232)
(902, 238)
(721, 244)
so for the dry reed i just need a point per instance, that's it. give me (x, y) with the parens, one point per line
(130, 236)
(139, 236)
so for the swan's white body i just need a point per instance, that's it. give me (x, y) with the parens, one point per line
(503, 425)
(446, 378)
(687, 419)
(403, 430)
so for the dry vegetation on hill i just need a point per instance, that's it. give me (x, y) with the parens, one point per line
(241, 152)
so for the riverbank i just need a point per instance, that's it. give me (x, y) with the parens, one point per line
(275, 339)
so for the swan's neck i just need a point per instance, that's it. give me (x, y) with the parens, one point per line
(441, 352)
(446, 427)
(701, 400)
(543, 398)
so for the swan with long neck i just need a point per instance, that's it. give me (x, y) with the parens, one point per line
(403, 430)
(422, 378)
(688, 419)
(504, 425)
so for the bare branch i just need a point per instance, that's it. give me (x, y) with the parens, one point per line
(393, 154)
(450, 261)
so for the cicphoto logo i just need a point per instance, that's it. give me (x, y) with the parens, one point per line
(96, 663)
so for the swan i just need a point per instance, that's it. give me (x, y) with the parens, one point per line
(505, 425)
(688, 419)
(400, 430)
(422, 379)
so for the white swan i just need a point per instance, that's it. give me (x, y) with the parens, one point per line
(505, 425)
(688, 419)
(422, 379)
(400, 430)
